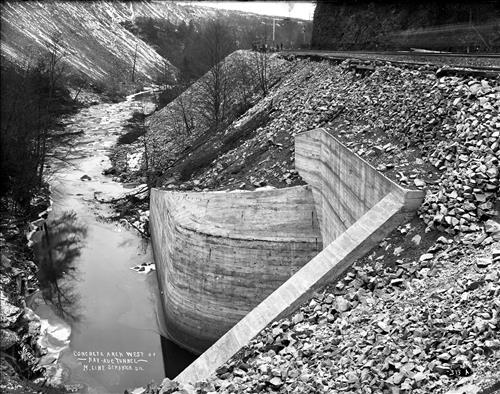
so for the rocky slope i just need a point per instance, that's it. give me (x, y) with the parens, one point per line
(424, 326)
(420, 312)
(181, 140)
(19, 325)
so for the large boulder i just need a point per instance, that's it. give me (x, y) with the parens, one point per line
(8, 338)
(8, 313)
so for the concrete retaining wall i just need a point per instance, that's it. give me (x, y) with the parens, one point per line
(219, 254)
(357, 208)
(345, 186)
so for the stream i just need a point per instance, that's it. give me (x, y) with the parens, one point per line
(99, 317)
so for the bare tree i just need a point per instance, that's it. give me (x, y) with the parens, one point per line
(165, 77)
(134, 62)
(215, 85)
(146, 161)
(243, 77)
(55, 56)
(81, 82)
(29, 105)
(261, 64)
(54, 71)
(184, 106)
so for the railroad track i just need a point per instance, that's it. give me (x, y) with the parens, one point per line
(482, 64)
(401, 53)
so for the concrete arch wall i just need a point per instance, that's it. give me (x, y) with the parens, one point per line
(219, 254)
(357, 207)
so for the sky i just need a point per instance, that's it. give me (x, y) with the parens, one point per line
(293, 9)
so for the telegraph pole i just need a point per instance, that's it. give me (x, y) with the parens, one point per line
(274, 29)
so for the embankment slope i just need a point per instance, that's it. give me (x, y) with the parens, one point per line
(350, 226)
(418, 129)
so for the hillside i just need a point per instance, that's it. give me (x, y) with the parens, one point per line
(100, 39)
(420, 312)
(378, 25)
(183, 139)
(93, 42)
(183, 42)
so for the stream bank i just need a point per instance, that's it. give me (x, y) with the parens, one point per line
(97, 318)
(19, 325)
(103, 337)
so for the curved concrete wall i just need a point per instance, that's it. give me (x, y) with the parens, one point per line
(219, 254)
(357, 206)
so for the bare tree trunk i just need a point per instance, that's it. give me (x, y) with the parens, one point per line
(146, 162)
(54, 70)
(186, 115)
(80, 87)
(262, 69)
(135, 59)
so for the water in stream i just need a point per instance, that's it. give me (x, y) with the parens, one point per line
(101, 322)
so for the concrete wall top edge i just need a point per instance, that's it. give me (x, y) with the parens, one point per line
(225, 193)
(279, 215)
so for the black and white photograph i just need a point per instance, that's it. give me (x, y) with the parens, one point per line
(230, 197)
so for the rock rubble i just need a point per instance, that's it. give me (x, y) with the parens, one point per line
(414, 328)
(373, 333)
(19, 326)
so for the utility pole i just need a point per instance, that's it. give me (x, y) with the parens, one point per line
(470, 25)
(274, 29)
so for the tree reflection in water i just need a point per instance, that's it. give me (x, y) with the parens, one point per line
(56, 252)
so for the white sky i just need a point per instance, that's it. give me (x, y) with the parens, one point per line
(293, 9)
